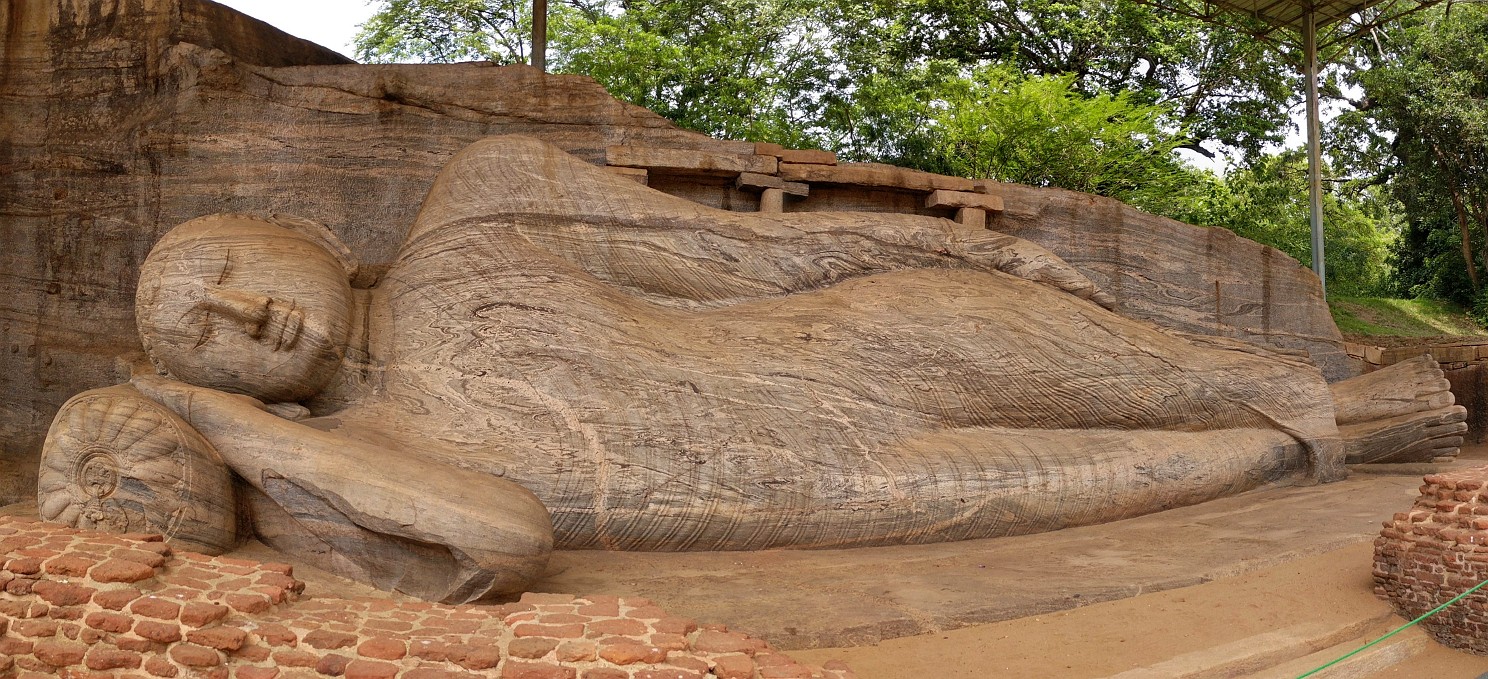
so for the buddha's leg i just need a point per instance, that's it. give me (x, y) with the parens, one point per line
(956, 485)
(1401, 413)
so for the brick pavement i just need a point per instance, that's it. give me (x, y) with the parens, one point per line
(85, 604)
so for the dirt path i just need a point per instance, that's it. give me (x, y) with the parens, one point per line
(1321, 591)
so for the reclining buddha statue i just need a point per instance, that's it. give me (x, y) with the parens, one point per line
(560, 356)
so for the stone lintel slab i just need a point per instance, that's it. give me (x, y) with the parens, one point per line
(872, 174)
(755, 181)
(700, 162)
(964, 199)
(808, 157)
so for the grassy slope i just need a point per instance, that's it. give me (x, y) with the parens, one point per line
(1364, 316)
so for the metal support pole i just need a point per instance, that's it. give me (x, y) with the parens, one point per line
(540, 34)
(1314, 144)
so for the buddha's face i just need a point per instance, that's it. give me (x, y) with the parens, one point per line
(245, 306)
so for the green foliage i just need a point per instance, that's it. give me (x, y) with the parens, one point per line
(1267, 202)
(447, 30)
(1000, 124)
(1401, 317)
(1422, 131)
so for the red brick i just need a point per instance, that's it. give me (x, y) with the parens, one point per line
(626, 652)
(146, 557)
(116, 599)
(276, 567)
(370, 669)
(155, 607)
(426, 649)
(619, 626)
(192, 655)
(109, 622)
(253, 653)
(221, 638)
(476, 657)
(19, 586)
(382, 648)
(327, 640)
(604, 610)
(35, 628)
(670, 673)
(531, 670)
(670, 642)
(10, 646)
(104, 658)
(24, 565)
(577, 650)
(333, 665)
(248, 603)
(280, 580)
(277, 635)
(77, 612)
(163, 632)
(733, 667)
(160, 667)
(285, 657)
(574, 631)
(250, 672)
(690, 663)
(127, 642)
(531, 648)
(69, 565)
(59, 653)
(721, 642)
(122, 570)
(432, 673)
(682, 626)
(62, 593)
(199, 614)
(605, 673)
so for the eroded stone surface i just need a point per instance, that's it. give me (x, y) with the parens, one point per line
(217, 615)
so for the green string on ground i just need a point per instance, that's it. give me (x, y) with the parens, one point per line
(1395, 631)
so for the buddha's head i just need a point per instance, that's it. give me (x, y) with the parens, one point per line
(247, 305)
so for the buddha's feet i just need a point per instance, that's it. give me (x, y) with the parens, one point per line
(1401, 413)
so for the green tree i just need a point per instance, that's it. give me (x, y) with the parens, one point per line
(1267, 202)
(1422, 131)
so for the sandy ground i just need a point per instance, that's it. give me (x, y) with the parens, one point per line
(1322, 591)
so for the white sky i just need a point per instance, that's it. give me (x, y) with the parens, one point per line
(329, 23)
(333, 23)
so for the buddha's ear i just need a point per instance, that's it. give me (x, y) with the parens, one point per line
(324, 237)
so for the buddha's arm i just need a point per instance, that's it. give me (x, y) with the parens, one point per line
(718, 256)
(421, 527)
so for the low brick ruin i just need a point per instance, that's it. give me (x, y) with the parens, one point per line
(85, 604)
(1437, 550)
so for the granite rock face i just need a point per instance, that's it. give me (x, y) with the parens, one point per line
(119, 120)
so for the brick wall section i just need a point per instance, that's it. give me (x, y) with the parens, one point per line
(84, 604)
(1434, 552)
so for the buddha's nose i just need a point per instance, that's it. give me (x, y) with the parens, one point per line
(249, 309)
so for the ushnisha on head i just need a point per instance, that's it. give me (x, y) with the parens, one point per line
(247, 305)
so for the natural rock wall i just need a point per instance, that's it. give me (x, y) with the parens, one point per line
(120, 119)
